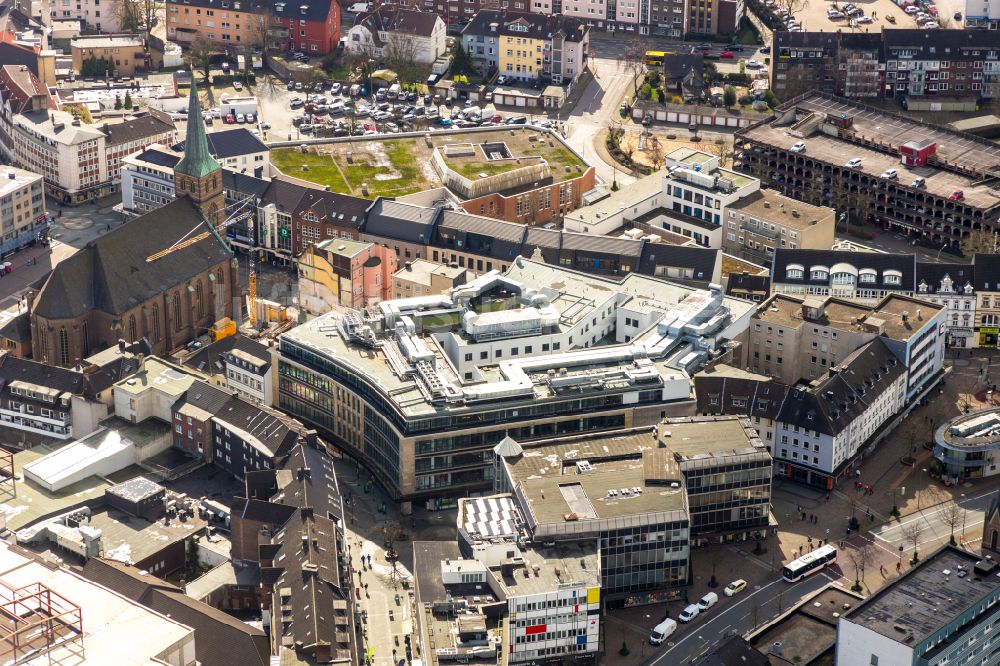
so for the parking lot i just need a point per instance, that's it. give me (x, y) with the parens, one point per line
(813, 16)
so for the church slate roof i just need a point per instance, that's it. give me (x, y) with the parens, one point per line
(111, 273)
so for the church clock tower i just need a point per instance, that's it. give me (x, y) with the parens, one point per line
(198, 175)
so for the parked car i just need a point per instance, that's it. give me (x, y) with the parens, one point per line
(230, 118)
(240, 118)
(735, 587)
(889, 173)
(753, 64)
(516, 120)
(290, 85)
(237, 86)
(335, 88)
(799, 147)
(298, 85)
(918, 182)
(957, 195)
(853, 163)
(501, 80)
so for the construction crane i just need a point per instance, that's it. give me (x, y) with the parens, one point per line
(187, 240)
(252, 276)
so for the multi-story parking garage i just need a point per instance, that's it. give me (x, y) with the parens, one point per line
(912, 176)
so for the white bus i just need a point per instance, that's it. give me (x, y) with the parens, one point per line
(809, 563)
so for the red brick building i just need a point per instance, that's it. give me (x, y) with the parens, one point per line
(309, 26)
(537, 205)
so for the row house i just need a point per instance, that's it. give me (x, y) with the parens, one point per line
(481, 244)
(813, 431)
(307, 26)
(528, 47)
(214, 424)
(966, 292)
(796, 339)
(908, 65)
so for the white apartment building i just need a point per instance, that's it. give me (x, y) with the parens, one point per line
(952, 287)
(148, 180)
(822, 427)
(66, 152)
(101, 16)
(690, 199)
(553, 591)
(980, 14)
(79, 161)
(22, 208)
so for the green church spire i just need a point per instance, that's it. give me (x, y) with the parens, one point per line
(197, 161)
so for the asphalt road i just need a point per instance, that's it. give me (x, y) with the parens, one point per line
(734, 616)
(934, 530)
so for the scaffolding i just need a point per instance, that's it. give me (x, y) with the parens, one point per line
(34, 621)
(8, 482)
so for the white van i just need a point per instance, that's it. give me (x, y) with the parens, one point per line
(393, 92)
(689, 613)
(708, 601)
(359, 8)
(472, 111)
(662, 631)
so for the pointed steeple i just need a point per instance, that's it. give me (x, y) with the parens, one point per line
(197, 161)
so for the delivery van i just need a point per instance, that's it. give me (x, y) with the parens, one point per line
(662, 631)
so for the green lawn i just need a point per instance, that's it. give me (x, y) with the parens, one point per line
(322, 170)
(472, 170)
(407, 177)
(558, 157)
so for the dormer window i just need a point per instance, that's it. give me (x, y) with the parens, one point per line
(794, 272)
(867, 276)
(892, 277)
(819, 273)
(923, 287)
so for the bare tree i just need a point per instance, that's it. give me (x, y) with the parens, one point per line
(952, 516)
(127, 13)
(399, 51)
(634, 58)
(261, 36)
(791, 6)
(912, 534)
(723, 150)
(655, 151)
(202, 49)
(150, 11)
(860, 558)
(980, 241)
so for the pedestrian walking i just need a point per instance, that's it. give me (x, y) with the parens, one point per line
(898, 566)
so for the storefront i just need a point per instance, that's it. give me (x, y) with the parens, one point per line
(961, 338)
(988, 336)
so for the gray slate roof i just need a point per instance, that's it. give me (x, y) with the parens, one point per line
(111, 273)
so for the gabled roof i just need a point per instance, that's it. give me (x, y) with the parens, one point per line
(260, 511)
(244, 184)
(271, 432)
(207, 359)
(152, 124)
(532, 26)
(830, 405)
(220, 639)
(313, 483)
(720, 393)
(25, 370)
(931, 274)
(401, 221)
(740, 285)
(111, 273)
(394, 19)
(987, 271)
(206, 397)
(15, 54)
(17, 328)
(230, 143)
(300, 10)
(333, 208)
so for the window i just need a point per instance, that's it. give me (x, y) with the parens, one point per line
(177, 312)
(156, 322)
(131, 329)
(199, 293)
(874, 660)
(63, 347)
